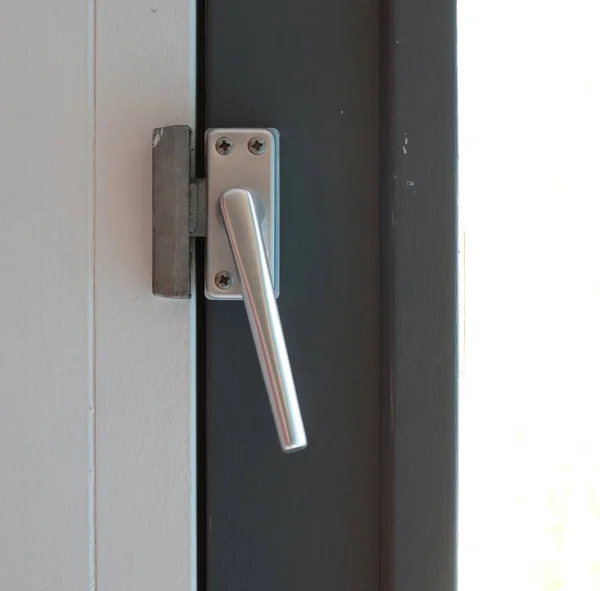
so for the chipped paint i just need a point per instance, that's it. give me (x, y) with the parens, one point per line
(156, 136)
(404, 149)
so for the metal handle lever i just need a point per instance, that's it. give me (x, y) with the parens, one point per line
(245, 237)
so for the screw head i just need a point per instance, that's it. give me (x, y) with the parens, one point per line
(223, 280)
(257, 146)
(224, 145)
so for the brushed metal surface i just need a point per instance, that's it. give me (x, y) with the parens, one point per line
(258, 174)
(244, 234)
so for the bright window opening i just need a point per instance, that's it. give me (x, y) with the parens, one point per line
(529, 162)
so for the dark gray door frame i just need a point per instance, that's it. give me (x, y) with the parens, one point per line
(419, 295)
(364, 94)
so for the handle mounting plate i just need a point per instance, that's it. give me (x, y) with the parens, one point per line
(249, 159)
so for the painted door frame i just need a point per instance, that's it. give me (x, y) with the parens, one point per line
(97, 441)
(403, 54)
(419, 394)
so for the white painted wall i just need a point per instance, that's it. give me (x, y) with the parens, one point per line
(529, 123)
(95, 373)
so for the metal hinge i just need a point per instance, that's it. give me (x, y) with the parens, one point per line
(236, 208)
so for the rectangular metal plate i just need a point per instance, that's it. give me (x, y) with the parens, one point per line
(259, 174)
(171, 272)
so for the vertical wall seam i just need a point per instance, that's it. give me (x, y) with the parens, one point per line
(91, 223)
(193, 33)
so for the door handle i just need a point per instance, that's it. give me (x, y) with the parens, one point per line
(237, 208)
(245, 237)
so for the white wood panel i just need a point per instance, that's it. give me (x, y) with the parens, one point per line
(45, 265)
(144, 79)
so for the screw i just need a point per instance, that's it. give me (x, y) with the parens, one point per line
(224, 145)
(223, 280)
(257, 146)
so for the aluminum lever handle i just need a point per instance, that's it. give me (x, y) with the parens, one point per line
(246, 240)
